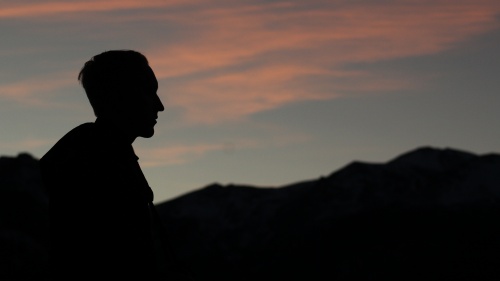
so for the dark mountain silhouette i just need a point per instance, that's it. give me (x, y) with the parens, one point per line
(24, 220)
(429, 214)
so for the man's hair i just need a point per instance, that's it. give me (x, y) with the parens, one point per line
(108, 74)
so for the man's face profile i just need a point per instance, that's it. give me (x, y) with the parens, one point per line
(138, 105)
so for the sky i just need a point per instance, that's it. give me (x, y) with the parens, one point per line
(261, 93)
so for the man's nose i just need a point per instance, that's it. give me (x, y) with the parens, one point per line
(159, 104)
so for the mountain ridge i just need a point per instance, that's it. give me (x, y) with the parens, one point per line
(451, 191)
(429, 213)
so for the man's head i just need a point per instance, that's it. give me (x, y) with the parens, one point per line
(121, 87)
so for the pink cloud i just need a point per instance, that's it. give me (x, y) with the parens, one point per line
(337, 35)
(49, 8)
(180, 154)
(229, 97)
(36, 91)
(229, 60)
(243, 58)
(29, 144)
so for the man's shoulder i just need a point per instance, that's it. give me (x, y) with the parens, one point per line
(82, 130)
(78, 141)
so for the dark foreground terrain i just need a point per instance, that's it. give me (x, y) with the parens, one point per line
(429, 214)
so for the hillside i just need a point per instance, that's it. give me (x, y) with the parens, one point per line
(428, 214)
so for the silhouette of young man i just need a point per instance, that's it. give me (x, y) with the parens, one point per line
(101, 210)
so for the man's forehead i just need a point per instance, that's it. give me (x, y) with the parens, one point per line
(143, 75)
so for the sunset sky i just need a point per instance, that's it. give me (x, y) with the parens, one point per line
(263, 93)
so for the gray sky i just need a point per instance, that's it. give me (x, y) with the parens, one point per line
(263, 93)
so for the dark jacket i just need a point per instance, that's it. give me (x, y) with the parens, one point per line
(100, 208)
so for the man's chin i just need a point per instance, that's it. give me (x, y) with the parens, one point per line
(147, 134)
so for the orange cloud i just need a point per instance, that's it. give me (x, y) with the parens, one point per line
(177, 154)
(227, 60)
(24, 145)
(37, 9)
(229, 97)
(180, 154)
(242, 59)
(333, 34)
(36, 91)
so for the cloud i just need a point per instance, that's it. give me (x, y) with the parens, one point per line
(322, 35)
(51, 8)
(231, 96)
(180, 154)
(250, 58)
(28, 144)
(223, 61)
(36, 91)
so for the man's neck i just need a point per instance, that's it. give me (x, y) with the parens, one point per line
(116, 130)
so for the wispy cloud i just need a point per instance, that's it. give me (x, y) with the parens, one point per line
(50, 8)
(36, 91)
(180, 154)
(28, 144)
(249, 58)
(224, 60)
